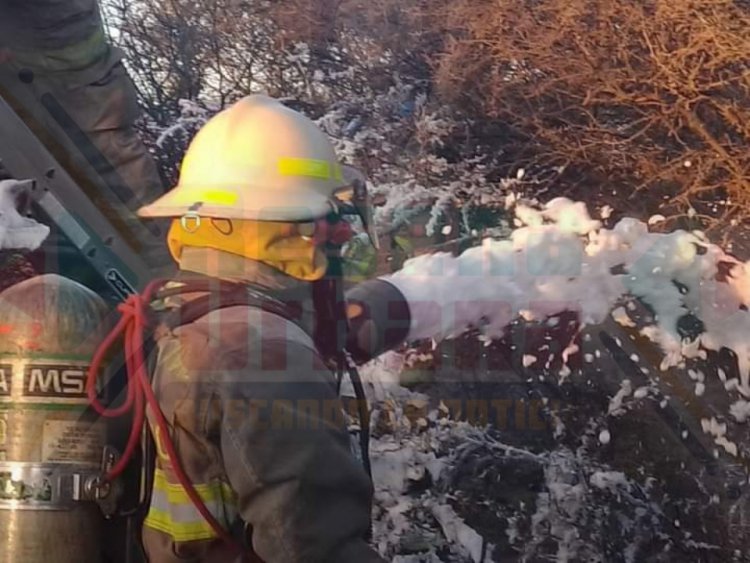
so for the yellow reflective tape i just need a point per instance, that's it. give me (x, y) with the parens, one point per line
(176, 494)
(220, 197)
(73, 57)
(161, 521)
(173, 513)
(308, 167)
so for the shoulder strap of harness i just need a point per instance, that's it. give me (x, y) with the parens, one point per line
(221, 295)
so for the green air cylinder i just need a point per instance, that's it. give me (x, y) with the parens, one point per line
(51, 445)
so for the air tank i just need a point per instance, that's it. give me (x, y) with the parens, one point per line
(51, 444)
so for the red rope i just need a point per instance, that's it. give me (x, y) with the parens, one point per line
(132, 323)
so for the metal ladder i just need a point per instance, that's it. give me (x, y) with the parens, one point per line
(107, 235)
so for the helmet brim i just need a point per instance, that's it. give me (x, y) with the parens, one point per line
(301, 204)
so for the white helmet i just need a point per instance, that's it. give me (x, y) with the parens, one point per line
(260, 160)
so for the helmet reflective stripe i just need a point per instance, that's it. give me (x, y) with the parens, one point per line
(218, 197)
(172, 513)
(311, 168)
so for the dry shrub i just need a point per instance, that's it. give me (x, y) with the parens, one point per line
(650, 98)
(314, 23)
(650, 94)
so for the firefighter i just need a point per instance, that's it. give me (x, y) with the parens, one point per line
(251, 396)
(64, 44)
